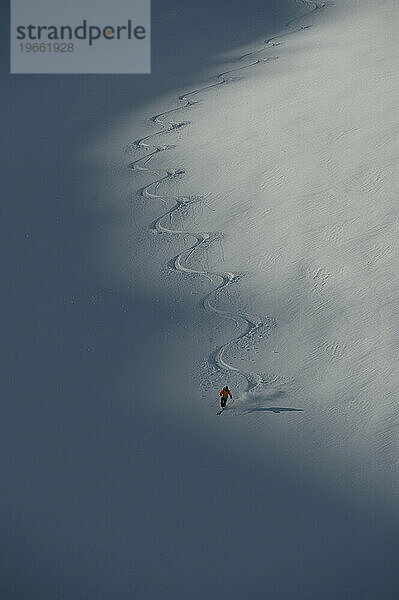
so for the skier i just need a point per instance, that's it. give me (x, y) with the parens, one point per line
(224, 394)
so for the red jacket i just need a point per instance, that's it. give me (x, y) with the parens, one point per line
(225, 393)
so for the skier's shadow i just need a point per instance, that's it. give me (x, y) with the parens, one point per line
(275, 395)
(275, 409)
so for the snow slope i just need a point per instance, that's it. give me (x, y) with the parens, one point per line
(255, 244)
(283, 168)
(273, 185)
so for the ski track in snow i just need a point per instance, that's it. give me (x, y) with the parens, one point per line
(204, 239)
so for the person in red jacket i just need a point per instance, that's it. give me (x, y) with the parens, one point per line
(224, 394)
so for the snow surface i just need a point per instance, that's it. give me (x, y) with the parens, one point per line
(253, 241)
(283, 168)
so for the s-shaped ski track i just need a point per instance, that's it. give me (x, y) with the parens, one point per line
(163, 223)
